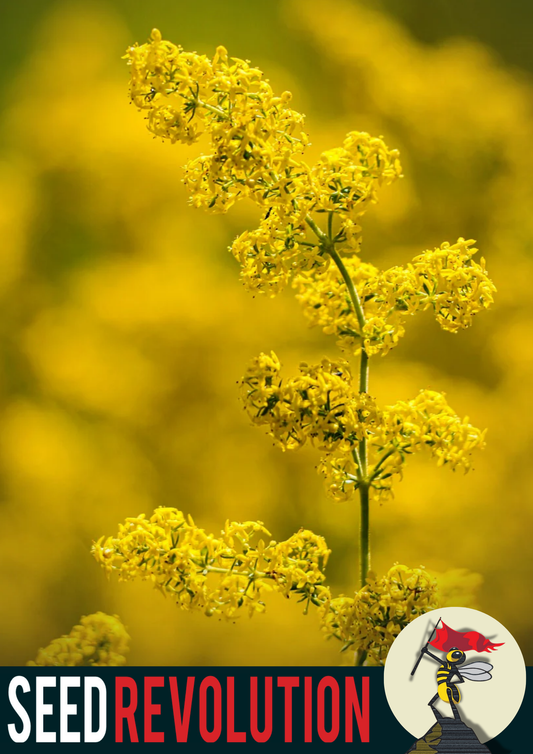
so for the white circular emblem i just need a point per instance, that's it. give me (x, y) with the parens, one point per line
(487, 693)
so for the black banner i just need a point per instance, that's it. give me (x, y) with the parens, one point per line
(202, 707)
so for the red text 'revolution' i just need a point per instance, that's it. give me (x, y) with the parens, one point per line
(293, 707)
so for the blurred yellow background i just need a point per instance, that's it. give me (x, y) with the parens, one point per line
(125, 327)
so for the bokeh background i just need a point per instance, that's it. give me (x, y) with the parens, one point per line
(125, 328)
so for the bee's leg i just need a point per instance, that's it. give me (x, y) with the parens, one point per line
(433, 709)
(452, 704)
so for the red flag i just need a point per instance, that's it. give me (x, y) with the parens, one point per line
(447, 639)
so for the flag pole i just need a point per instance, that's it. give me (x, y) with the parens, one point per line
(413, 671)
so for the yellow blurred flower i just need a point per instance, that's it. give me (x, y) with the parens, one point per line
(98, 640)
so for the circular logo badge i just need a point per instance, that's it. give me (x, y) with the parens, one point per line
(455, 672)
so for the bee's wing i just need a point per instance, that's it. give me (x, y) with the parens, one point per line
(476, 671)
(479, 667)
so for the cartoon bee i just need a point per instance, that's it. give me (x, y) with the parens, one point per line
(448, 669)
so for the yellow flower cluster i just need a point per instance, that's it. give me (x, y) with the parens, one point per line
(447, 280)
(321, 406)
(428, 421)
(254, 134)
(270, 254)
(256, 143)
(369, 621)
(404, 428)
(343, 182)
(217, 575)
(346, 178)
(98, 640)
(221, 575)
(388, 298)
(342, 478)
(318, 405)
(455, 286)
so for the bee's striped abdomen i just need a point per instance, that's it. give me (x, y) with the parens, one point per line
(443, 684)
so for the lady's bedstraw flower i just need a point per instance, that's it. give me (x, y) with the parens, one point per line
(270, 254)
(98, 640)
(321, 406)
(404, 428)
(217, 575)
(253, 133)
(369, 621)
(347, 178)
(255, 142)
(309, 233)
(446, 280)
(428, 421)
(452, 284)
(388, 298)
(221, 575)
(318, 405)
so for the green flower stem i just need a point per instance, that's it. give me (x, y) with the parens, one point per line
(364, 489)
(364, 368)
(352, 290)
(363, 373)
(213, 109)
(359, 465)
(364, 532)
(319, 233)
(328, 244)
